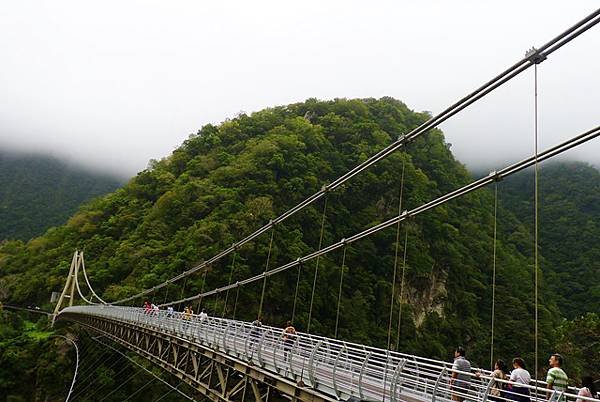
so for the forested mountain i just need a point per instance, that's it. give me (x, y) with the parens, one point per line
(228, 180)
(569, 229)
(38, 192)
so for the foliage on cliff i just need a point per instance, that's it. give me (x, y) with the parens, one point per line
(569, 230)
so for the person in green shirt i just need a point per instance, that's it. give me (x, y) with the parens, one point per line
(557, 379)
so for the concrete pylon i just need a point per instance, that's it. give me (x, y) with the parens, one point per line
(69, 289)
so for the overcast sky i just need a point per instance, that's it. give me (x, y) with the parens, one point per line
(115, 83)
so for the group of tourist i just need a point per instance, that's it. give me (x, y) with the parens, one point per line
(188, 312)
(556, 379)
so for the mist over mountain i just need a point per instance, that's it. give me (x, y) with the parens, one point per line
(39, 191)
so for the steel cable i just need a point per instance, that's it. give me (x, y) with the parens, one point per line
(87, 280)
(76, 363)
(396, 256)
(523, 64)
(264, 287)
(475, 185)
(148, 371)
(402, 287)
(312, 296)
(339, 303)
(536, 218)
(230, 279)
(494, 275)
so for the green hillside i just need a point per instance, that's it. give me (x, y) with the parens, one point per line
(569, 229)
(228, 180)
(38, 192)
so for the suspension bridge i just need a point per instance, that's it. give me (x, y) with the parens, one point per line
(230, 360)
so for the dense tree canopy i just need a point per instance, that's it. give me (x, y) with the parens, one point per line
(569, 212)
(38, 192)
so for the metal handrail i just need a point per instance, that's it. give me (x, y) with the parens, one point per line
(367, 372)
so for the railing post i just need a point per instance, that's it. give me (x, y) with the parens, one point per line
(311, 362)
(225, 348)
(259, 350)
(215, 333)
(418, 372)
(487, 389)
(293, 353)
(205, 326)
(235, 338)
(361, 375)
(276, 342)
(246, 340)
(437, 384)
(395, 379)
(335, 366)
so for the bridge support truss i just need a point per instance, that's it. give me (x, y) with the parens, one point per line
(216, 376)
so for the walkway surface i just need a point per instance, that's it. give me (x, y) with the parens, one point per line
(339, 369)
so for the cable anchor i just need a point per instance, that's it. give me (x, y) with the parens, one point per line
(495, 176)
(534, 56)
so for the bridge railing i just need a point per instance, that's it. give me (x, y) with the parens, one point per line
(338, 368)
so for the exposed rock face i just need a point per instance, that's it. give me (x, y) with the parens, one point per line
(430, 298)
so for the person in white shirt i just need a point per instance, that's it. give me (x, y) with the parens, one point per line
(520, 376)
(203, 316)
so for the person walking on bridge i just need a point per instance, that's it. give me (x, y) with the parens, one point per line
(254, 334)
(147, 307)
(289, 336)
(461, 379)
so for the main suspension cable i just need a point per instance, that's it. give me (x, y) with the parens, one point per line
(522, 65)
(87, 280)
(475, 185)
(78, 261)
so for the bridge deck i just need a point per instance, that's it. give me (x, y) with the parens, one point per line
(337, 369)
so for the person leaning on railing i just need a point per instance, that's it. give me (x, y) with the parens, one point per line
(557, 379)
(519, 375)
(500, 372)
